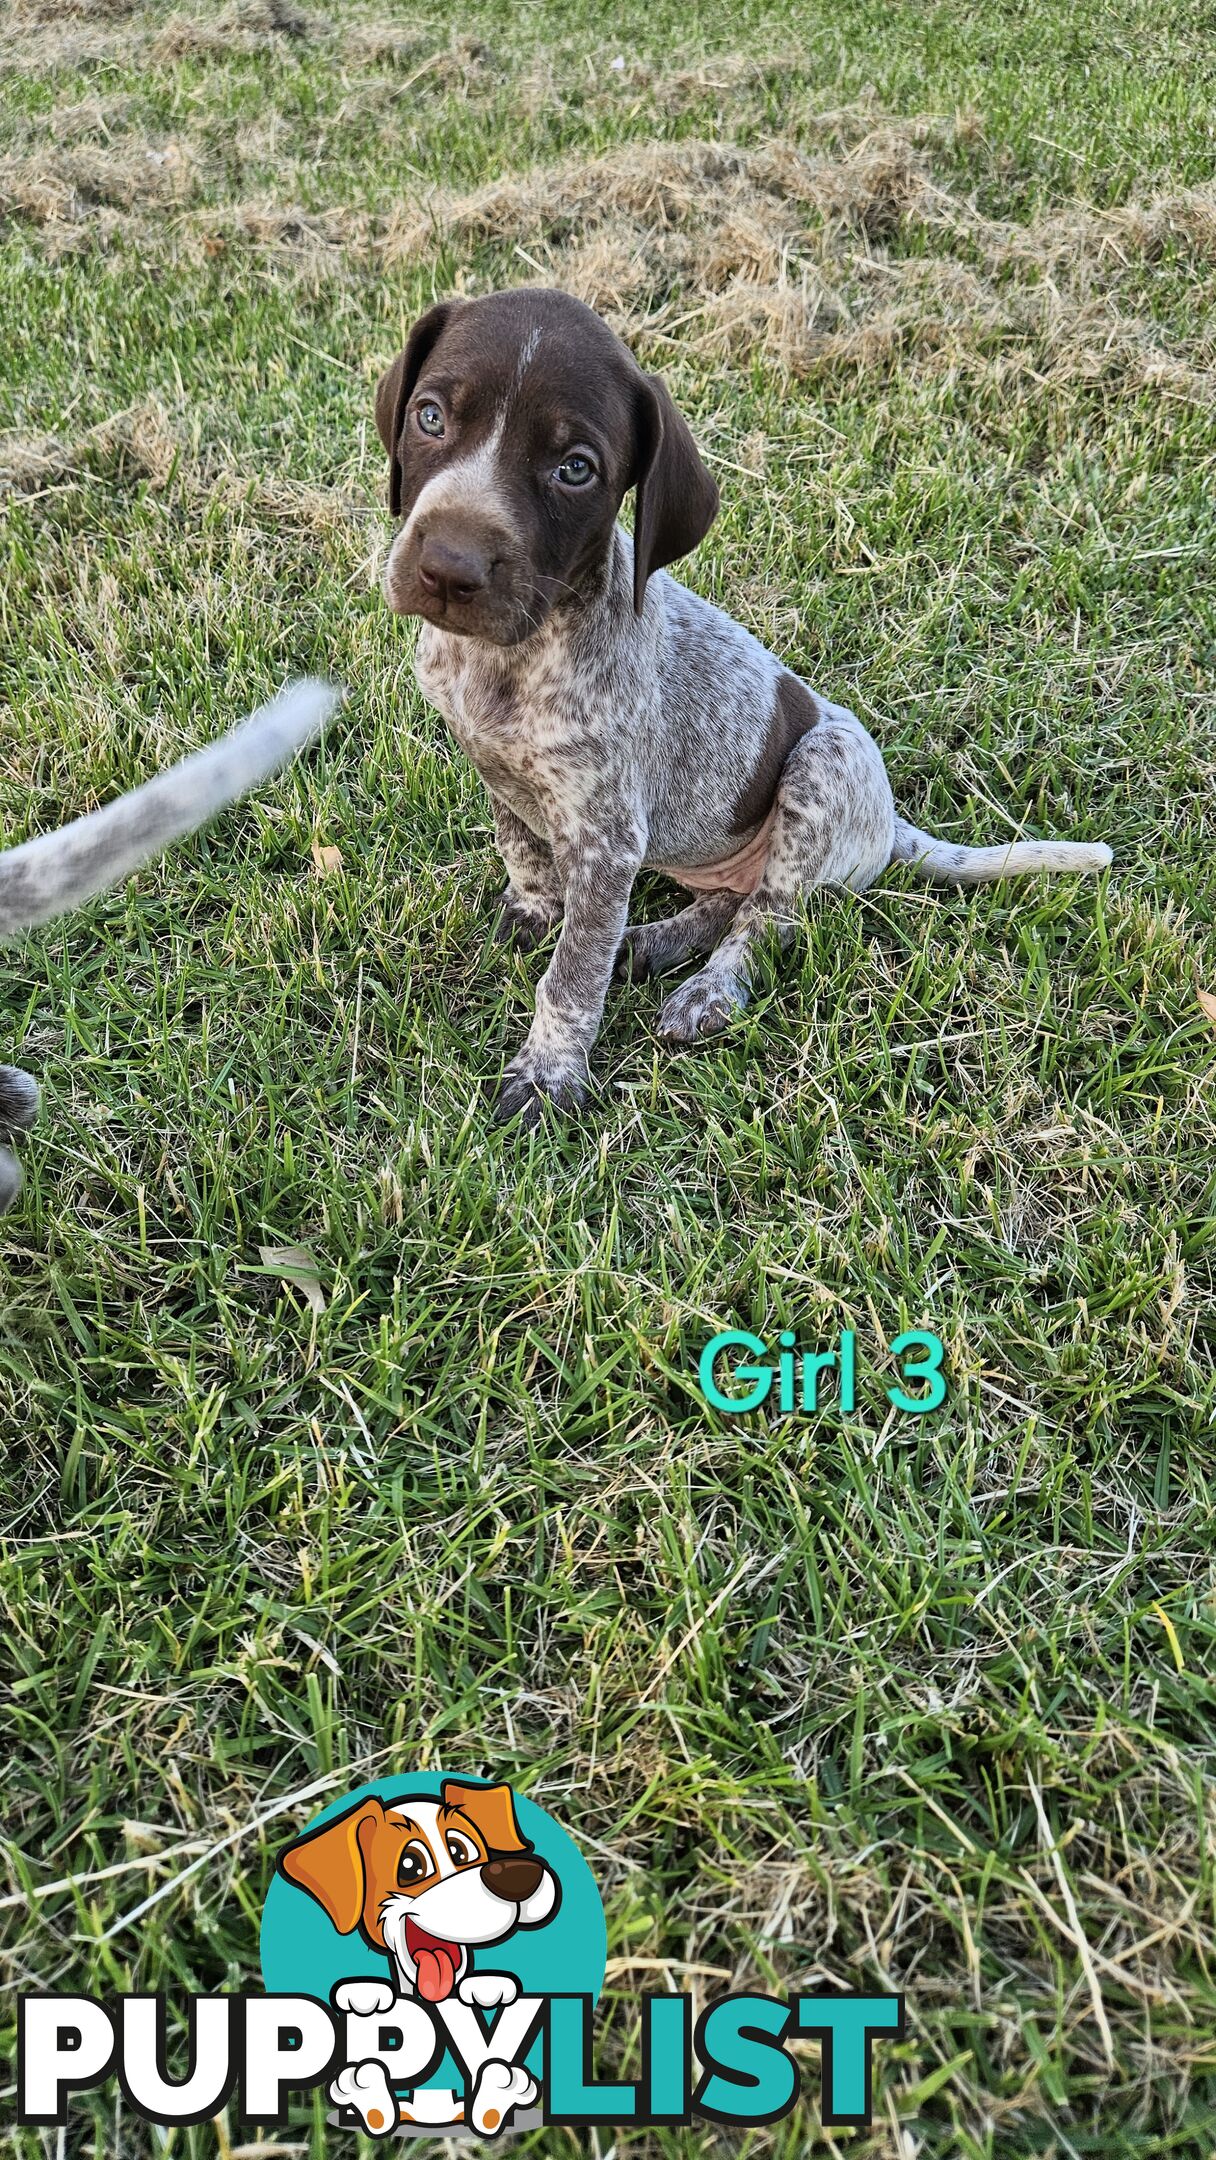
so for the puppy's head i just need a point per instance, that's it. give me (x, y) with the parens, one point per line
(514, 426)
(427, 1880)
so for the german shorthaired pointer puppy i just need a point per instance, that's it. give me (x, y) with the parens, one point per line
(62, 869)
(619, 721)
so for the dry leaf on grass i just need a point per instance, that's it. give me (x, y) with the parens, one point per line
(327, 861)
(297, 1267)
(1208, 1002)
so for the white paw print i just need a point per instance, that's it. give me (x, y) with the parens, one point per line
(499, 2089)
(364, 2087)
(488, 1991)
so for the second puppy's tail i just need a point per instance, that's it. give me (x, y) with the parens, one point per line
(940, 862)
(59, 870)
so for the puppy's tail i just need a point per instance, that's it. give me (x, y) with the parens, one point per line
(61, 869)
(939, 862)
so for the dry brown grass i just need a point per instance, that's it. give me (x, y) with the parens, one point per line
(144, 445)
(728, 248)
(243, 26)
(22, 12)
(76, 193)
(139, 443)
(856, 256)
(464, 60)
(91, 117)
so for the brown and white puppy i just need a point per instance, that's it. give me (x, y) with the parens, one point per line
(618, 720)
(426, 1882)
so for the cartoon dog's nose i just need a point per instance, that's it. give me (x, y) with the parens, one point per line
(513, 1879)
(451, 570)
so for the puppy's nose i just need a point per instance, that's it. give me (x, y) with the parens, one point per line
(452, 570)
(514, 1879)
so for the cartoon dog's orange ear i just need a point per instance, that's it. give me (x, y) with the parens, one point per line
(328, 1863)
(491, 1810)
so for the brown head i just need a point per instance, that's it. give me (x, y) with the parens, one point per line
(515, 425)
(426, 1880)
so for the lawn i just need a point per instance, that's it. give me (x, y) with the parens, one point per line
(870, 1701)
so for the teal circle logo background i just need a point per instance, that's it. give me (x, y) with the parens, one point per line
(303, 1953)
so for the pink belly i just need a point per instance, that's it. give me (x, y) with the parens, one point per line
(740, 872)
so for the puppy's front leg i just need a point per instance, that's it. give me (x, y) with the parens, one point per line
(532, 902)
(571, 992)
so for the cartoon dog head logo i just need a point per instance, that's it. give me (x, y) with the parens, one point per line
(427, 1881)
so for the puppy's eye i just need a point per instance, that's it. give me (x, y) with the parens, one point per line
(575, 471)
(429, 417)
(413, 1866)
(460, 1850)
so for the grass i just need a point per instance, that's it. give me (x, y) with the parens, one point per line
(876, 1702)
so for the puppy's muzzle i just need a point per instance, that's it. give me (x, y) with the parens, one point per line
(451, 573)
(461, 574)
(514, 1879)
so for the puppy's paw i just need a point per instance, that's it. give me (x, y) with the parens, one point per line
(644, 952)
(500, 2088)
(487, 1991)
(530, 1082)
(364, 1998)
(524, 923)
(10, 1178)
(365, 2088)
(701, 1006)
(18, 1099)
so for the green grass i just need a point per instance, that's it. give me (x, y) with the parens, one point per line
(857, 1702)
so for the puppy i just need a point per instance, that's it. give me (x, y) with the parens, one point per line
(426, 1882)
(61, 870)
(619, 721)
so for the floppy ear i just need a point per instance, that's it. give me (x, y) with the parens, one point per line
(328, 1863)
(677, 499)
(491, 1809)
(394, 387)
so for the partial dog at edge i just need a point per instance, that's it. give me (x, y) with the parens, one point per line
(60, 870)
(619, 721)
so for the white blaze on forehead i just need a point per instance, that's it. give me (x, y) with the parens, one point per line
(527, 354)
(472, 482)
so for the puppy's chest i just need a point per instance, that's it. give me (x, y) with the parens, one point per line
(515, 728)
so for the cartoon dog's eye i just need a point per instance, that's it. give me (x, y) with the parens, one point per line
(575, 471)
(429, 418)
(413, 1866)
(460, 1850)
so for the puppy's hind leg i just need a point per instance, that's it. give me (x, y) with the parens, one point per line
(834, 826)
(652, 948)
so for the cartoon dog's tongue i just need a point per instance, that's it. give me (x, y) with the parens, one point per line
(436, 1963)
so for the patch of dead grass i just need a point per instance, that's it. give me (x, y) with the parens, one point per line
(856, 257)
(136, 444)
(91, 117)
(243, 26)
(464, 60)
(729, 249)
(142, 445)
(53, 11)
(67, 187)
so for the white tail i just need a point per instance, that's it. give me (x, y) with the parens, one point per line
(939, 862)
(59, 870)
